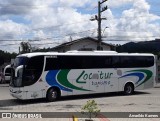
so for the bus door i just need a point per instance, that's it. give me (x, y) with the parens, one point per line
(32, 79)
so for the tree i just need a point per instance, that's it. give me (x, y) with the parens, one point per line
(26, 47)
(6, 57)
(90, 108)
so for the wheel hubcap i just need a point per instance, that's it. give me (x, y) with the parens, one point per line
(54, 94)
(129, 89)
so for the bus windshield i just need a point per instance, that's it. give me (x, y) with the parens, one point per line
(27, 70)
(20, 61)
(33, 70)
(17, 71)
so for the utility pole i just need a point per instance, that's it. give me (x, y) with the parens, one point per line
(99, 19)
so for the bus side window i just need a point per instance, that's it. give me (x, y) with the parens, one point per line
(108, 62)
(51, 64)
(115, 62)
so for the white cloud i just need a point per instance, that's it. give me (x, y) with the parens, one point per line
(11, 30)
(48, 19)
(119, 3)
(141, 5)
(54, 19)
(60, 21)
(136, 23)
(77, 3)
(15, 7)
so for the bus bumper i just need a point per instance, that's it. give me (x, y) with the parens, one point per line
(17, 93)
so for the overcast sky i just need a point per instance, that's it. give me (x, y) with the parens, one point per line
(57, 21)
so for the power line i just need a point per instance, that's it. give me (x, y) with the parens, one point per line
(144, 16)
(118, 37)
(69, 34)
(7, 44)
(74, 33)
(29, 31)
(51, 37)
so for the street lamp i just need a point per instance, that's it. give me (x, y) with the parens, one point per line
(105, 29)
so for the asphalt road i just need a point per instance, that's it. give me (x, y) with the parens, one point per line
(142, 101)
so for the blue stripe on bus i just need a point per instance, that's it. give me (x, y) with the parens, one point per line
(138, 74)
(51, 80)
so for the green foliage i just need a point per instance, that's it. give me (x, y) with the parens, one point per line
(6, 57)
(90, 108)
(140, 47)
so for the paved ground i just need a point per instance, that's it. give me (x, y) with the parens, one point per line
(142, 101)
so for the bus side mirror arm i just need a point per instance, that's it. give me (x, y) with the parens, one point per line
(17, 69)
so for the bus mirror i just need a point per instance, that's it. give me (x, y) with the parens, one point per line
(12, 62)
(19, 68)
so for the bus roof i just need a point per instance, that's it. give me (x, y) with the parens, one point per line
(89, 53)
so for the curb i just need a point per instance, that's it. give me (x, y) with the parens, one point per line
(4, 85)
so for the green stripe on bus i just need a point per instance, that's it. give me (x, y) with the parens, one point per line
(62, 79)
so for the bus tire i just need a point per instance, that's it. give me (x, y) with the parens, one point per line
(128, 89)
(52, 94)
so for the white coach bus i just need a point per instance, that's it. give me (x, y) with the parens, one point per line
(51, 75)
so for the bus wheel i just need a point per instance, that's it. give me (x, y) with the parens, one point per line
(128, 89)
(52, 95)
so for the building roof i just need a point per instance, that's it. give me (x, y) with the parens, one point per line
(85, 38)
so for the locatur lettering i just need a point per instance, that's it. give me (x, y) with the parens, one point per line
(88, 76)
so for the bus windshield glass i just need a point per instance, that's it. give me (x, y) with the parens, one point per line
(33, 70)
(28, 70)
(20, 61)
